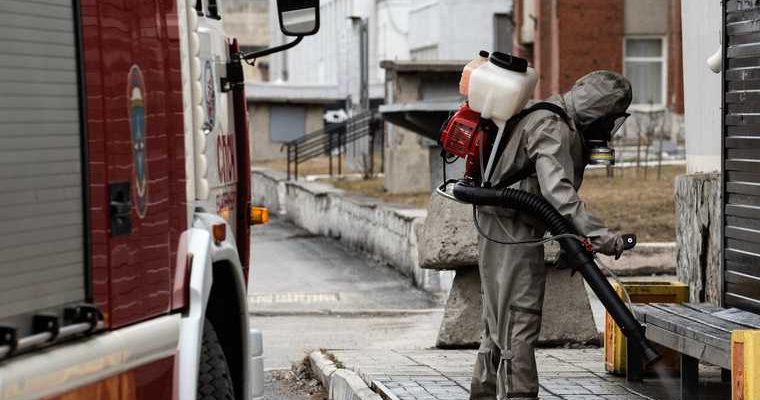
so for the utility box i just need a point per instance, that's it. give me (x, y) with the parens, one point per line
(745, 365)
(640, 292)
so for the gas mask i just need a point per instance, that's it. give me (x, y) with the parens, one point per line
(597, 136)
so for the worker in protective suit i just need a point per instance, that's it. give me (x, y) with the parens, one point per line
(553, 153)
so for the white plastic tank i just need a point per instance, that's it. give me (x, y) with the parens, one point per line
(501, 87)
(464, 82)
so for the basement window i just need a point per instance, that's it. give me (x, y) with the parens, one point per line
(644, 64)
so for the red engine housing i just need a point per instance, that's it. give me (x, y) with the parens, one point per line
(463, 135)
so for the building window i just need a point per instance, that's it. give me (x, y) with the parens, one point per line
(644, 65)
(286, 123)
(502, 32)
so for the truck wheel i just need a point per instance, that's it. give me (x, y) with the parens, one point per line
(214, 380)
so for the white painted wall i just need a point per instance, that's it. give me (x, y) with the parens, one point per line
(331, 57)
(458, 29)
(702, 88)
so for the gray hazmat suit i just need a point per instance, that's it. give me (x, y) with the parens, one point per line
(513, 277)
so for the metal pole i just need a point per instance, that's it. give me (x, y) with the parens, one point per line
(371, 153)
(288, 157)
(295, 164)
(340, 153)
(364, 63)
(329, 150)
(382, 147)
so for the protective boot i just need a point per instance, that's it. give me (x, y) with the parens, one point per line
(484, 376)
(512, 281)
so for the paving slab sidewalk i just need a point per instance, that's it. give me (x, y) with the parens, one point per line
(564, 374)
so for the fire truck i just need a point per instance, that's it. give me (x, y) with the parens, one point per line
(124, 200)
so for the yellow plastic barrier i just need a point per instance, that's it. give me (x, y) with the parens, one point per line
(640, 292)
(259, 215)
(745, 365)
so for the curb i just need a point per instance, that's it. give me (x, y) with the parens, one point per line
(343, 384)
(344, 313)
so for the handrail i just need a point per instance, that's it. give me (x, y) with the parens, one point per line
(327, 140)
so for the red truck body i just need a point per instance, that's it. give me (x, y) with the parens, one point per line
(163, 156)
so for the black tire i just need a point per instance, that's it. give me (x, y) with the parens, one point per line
(214, 380)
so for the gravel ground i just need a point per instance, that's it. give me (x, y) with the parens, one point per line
(293, 384)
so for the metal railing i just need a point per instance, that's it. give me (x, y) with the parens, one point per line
(331, 142)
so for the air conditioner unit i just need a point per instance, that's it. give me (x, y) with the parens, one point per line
(528, 27)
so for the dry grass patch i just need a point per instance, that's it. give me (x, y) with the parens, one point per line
(632, 203)
(374, 188)
(628, 202)
(316, 166)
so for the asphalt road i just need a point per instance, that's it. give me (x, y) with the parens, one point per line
(308, 292)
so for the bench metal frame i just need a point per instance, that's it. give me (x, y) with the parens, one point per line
(696, 331)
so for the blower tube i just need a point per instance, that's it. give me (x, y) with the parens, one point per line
(557, 224)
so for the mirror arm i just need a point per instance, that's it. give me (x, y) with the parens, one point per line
(265, 52)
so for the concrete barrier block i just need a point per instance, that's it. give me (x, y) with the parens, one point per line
(462, 322)
(566, 316)
(567, 313)
(448, 239)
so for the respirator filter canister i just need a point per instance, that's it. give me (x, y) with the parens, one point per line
(598, 136)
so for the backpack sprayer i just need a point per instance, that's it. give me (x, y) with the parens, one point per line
(498, 86)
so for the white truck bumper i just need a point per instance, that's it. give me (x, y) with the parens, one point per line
(256, 345)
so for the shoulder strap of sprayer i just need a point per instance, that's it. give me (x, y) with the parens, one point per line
(509, 127)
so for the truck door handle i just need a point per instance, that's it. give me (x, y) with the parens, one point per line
(120, 208)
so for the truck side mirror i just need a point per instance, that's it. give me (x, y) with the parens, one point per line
(298, 17)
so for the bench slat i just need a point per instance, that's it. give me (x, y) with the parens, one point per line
(700, 317)
(689, 346)
(703, 307)
(738, 316)
(735, 315)
(686, 327)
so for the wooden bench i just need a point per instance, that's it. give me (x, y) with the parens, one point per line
(699, 332)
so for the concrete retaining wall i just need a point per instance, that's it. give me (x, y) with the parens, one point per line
(387, 232)
(269, 189)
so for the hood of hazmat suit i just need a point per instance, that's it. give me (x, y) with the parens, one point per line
(597, 95)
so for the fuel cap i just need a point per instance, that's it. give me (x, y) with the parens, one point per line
(508, 61)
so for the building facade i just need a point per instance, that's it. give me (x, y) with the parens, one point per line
(456, 30)
(248, 21)
(642, 39)
(322, 74)
(702, 87)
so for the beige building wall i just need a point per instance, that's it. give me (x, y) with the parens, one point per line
(262, 146)
(314, 118)
(248, 22)
(407, 161)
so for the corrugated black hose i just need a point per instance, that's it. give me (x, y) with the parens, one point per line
(577, 254)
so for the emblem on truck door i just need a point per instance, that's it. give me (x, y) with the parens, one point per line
(209, 97)
(136, 107)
